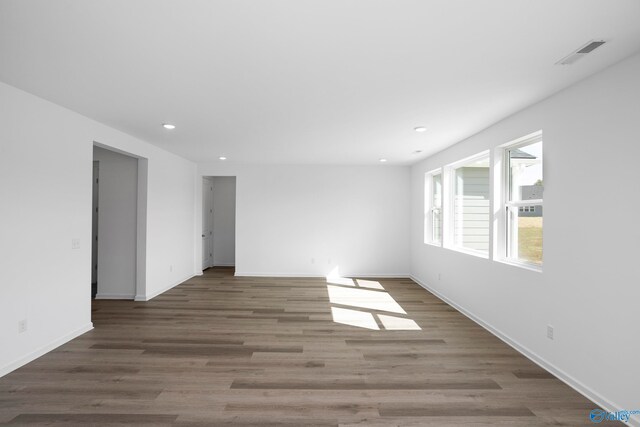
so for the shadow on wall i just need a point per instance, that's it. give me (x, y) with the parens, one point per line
(365, 304)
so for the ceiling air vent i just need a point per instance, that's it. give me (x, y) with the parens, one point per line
(581, 52)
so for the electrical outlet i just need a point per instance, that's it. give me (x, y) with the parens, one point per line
(22, 326)
(313, 260)
(75, 243)
(550, 332)
(170, 268)
(329, 261)
(439, 276)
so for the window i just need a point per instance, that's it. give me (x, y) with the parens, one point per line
(433, 208)
(459, 211)
(524, 187)
(471, 215)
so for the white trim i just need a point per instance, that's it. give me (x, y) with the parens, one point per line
(114, 296)
(467, 251)
(572, 382)
(449, 202)
(257, 274)
(12, 366)
(531, 138)
(462, 162)
(429, 207)
(161, 291)
(525, 265)
(307, 275)
(226, 264)
(141, 226)
(437, 245)
(532, 202)
(379, 276)
(502, 200)
(435, 171)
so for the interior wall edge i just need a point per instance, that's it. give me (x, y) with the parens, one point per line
(155, 293)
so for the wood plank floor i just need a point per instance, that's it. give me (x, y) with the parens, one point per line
(221, 350)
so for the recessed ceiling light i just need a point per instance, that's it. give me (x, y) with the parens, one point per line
(222, 158)
(168, 126)
(420, 129)
(383, 160)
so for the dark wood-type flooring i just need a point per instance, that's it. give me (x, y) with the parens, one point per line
(221, 350)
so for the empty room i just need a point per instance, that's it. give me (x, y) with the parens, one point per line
(331, 213)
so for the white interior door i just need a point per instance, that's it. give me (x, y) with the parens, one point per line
(207, 223)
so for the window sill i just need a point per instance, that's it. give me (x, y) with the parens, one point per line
(526, 266)
(471, 252)
(437, 245)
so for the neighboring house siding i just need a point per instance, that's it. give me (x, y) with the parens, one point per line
(531, 192)
(530, 211)
(472, 212)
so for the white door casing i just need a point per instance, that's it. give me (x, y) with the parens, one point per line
(207, 223)
(94, 224)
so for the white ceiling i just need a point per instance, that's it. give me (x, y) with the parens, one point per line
(298, 81)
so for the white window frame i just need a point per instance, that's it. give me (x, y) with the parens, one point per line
(504, 204)
(448, 220)
(429, 208)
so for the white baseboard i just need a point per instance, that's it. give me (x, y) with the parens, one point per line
(114, 296)
(225, 265)
(578, 386)
(4, 370)
(154, 294)
(307, 275)
(301, 275)
(380, 276)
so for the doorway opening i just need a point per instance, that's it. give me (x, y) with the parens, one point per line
(119, 205)
(218, 221)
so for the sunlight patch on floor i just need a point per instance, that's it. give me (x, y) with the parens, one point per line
(344, 281)
(392, 323)
(363, 298)
(364, 295)
(371, 284)
(361, 319)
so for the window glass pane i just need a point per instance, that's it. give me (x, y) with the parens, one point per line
(525, 235)
(436, 210)
(525, 172)
(471, 208)
(437, 191)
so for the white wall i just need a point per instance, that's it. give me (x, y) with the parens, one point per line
(224, 220)
(590, 288)
(45, 202)
(355, 218)
(117, 217)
